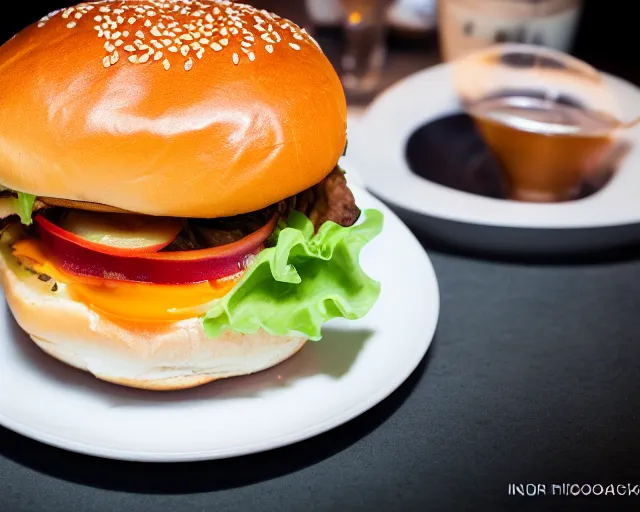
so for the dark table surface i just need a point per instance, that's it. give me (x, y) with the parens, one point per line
(533, 378)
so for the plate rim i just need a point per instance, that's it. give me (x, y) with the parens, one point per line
(422, 197)
(280, 441)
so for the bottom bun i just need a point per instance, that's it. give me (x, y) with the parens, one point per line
(161, 357)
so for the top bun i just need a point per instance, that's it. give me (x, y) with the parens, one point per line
(179, 108)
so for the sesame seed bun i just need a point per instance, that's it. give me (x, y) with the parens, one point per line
(161, 358)
(189, 109)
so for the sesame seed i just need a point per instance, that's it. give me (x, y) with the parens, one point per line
(185, 25)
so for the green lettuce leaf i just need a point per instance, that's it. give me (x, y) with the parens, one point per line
(24, 207)
(301, 281)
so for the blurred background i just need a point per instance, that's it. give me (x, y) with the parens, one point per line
(374, 43)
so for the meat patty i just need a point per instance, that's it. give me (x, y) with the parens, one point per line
(329, 200)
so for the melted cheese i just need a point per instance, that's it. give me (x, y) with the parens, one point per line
(128, 301)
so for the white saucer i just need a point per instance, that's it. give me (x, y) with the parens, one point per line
(413, 15)
(329, 382)
(377, 142)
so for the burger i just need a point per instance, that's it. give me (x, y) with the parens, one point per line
(173, 209)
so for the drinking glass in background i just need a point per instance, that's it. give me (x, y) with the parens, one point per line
(550, 120)
(469, 25)
(364, 52)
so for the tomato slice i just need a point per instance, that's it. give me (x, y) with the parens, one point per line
(78, 256)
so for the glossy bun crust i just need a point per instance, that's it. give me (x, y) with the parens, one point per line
(190, 109)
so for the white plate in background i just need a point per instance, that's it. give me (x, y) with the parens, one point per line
(377, 143)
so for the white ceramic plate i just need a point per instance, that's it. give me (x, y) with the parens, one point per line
(377, 142)
(354, 367)
(413, 15)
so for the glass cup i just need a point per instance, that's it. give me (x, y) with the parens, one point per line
(364, 52)
(550, 120)
(469, 25)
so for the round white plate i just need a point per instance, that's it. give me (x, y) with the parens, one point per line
(413, 15)
(327, 383)
(377, 143)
